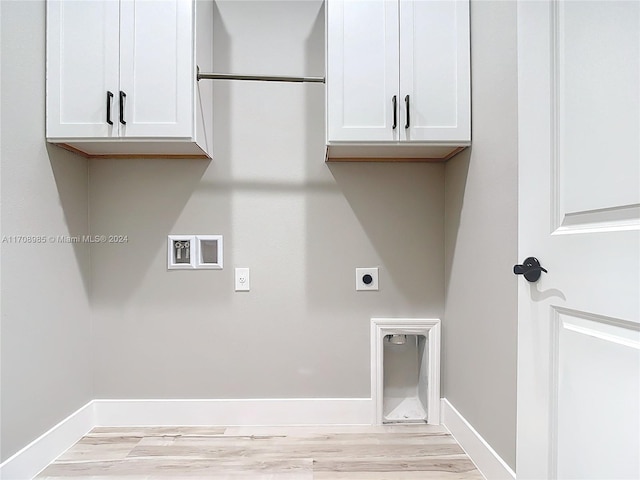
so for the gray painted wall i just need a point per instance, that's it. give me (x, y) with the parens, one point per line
(45, 368)
(480, 327)
(300, 225)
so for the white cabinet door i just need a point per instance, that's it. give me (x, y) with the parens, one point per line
(579, 214)
(362, 70)
(434, 70)
(157, 68)
(82, 67)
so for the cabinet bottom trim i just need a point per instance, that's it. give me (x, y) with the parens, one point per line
(385, 153)
(171, 146)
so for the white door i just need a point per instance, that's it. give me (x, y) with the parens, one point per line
(434, 71)
(82, 68)
(579, 209)
(362, 70)
(157, 71)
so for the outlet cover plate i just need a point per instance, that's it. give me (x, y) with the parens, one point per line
(361, 273)
(242, 280)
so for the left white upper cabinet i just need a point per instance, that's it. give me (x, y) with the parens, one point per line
(122, 77)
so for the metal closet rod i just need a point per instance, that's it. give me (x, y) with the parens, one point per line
(261, 78)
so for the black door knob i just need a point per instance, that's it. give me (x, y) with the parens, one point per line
(530, 268)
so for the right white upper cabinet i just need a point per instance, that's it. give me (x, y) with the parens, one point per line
(398, 79)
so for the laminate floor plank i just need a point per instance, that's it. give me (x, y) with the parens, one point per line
(454, 464)
(265, 448)
(476, 475)
(393, 452)
(170, 431)
(178, 467)
(310, 441)
(100, 448)
(303, 431)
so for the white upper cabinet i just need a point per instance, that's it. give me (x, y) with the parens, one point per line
(156, 67)
(362, 70)
(82, 68)
(398, 78)
(121, 77)
(434, 61)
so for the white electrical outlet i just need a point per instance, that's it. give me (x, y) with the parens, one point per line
(242, 280)
(367, 278)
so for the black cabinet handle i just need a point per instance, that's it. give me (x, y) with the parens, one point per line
(394, 100)
(109, 99)
(406, 103)
(530, 268)
(122, 97)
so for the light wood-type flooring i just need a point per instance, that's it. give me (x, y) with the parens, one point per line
(392, 452)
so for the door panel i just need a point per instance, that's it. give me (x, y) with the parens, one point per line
(157, 68)
(579, 326)
(588, 349)
(82, 66)
(596, 74)
(434, 69)
(362, 70)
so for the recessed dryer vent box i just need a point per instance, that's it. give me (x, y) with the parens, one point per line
(181, 252)
(405, 370)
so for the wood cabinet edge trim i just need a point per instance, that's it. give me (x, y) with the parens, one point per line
(77, 151)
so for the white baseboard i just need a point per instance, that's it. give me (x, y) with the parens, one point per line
(486, 459)
(235, 412)
(29, 461)
(33, 458)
